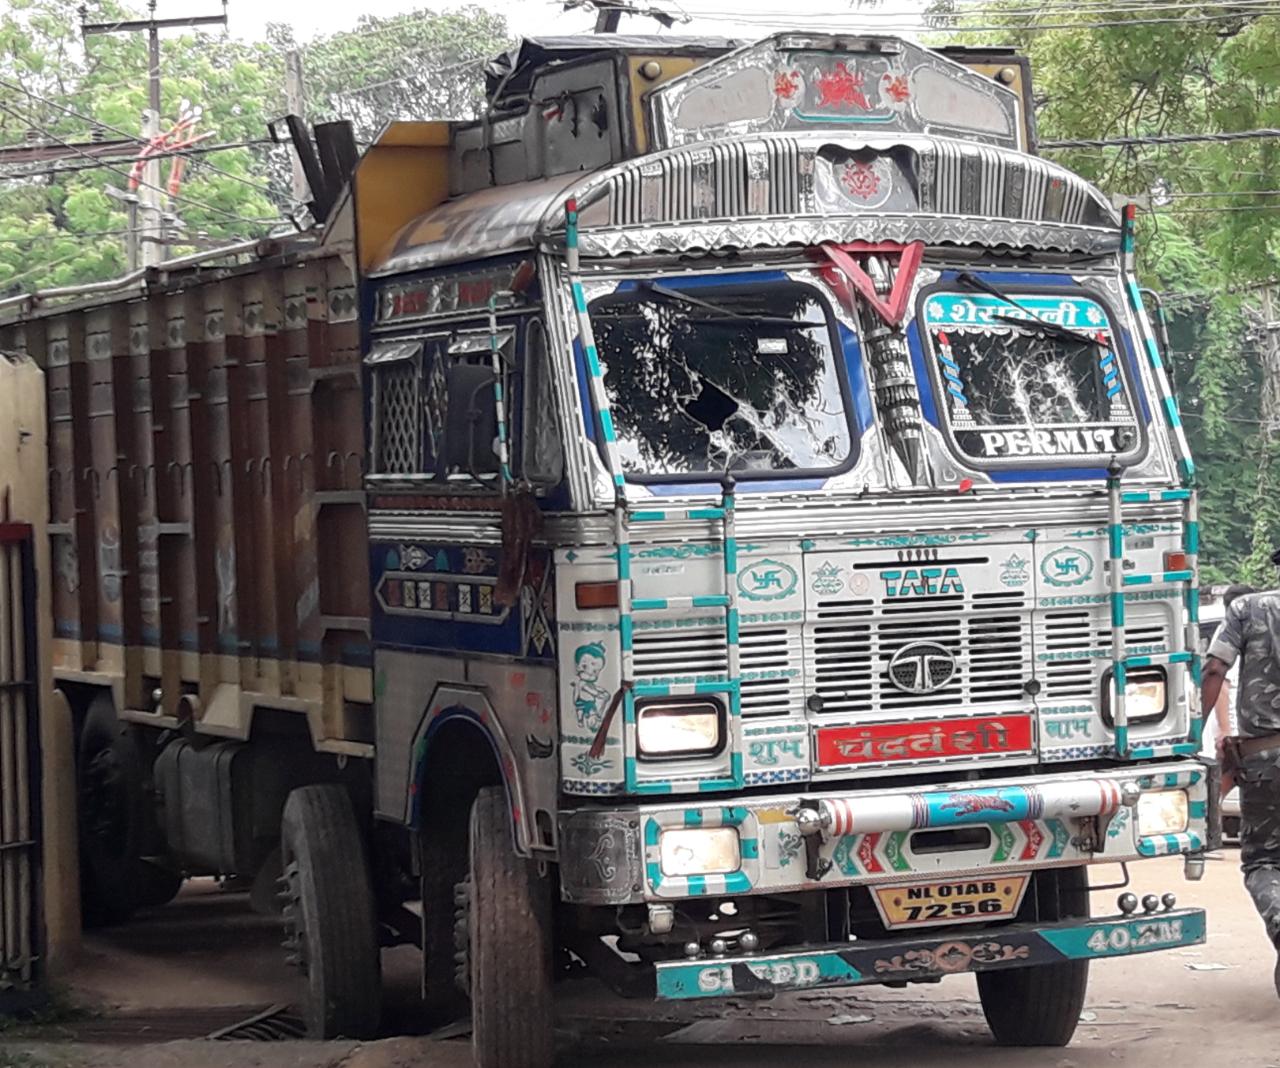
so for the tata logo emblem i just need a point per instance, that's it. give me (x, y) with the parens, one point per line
(1067, 567)
(767, 580)
(921, 582)
(922, 667)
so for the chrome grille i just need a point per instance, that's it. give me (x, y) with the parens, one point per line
(769, 657)
(1075, 648)
(852, 642)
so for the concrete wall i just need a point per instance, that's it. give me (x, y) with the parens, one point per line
(24, 499)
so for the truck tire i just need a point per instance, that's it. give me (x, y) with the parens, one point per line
(1041, 1006)
(444, 869)
(330, 916)
(508, 953)
(109, 797)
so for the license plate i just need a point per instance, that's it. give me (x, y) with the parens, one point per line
(974, 900)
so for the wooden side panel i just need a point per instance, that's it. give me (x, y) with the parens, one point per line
(206, 462)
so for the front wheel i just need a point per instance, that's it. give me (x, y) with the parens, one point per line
(1040, 1006)
(330, 916)
(506, 907)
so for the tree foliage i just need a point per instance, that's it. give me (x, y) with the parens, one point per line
(59, 223)
(1210, 68)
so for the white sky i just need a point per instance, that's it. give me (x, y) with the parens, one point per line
(729, 18)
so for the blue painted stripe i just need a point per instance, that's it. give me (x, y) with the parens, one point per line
(737, 883)
(705, 513)
(649, 604)
(693, 817)
(606, 424)
(718, 600)
(1161, 578)
(697, 885)
(652, 832)
(1192, 537)
(625, 631)
(1117, 611)
(647, 516)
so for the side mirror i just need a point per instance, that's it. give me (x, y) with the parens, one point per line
(471, 421)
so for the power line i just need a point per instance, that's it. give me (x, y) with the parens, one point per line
(56, 235)
(115, 129)
(193, 151)
(827, 17)
(406, 77)
(1265, 133)
(125, 174)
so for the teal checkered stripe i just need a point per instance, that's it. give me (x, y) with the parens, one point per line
(1173, 780)
(1160, 578)
(1164, 845)
(677, 886)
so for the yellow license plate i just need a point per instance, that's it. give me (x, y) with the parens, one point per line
(975, 900)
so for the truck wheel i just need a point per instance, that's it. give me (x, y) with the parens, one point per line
(109, 790)
(1041, 1006)
(329, 913)
(444, 869)
(508, 919)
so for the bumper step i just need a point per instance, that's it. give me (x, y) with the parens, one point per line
(890, 960)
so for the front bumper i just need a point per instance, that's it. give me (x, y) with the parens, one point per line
(612, 856)
(896, 960)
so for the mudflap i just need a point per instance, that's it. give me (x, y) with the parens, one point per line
(895, 960)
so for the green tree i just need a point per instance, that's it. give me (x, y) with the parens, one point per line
(59, 223)
(1209, 68)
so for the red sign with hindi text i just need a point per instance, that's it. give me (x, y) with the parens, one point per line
(924, 739)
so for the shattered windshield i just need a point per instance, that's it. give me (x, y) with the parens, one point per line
(706, 378)
(1033, 376)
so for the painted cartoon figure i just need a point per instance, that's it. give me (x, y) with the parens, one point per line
(589, 699)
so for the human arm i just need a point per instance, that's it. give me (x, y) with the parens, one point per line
(1213, 690)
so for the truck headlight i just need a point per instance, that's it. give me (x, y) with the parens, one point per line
(1162, 812)
(700, 851)
(679, 729)
(1146, 696)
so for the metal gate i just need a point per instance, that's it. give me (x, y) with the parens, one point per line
(20, 889)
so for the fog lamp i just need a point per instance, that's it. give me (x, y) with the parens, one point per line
(700, 851)
(1162, 812)
(1146, 696)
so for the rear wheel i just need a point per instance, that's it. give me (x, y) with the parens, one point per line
(1040, 1006)
(110, 798)
(329, 913)
(505, 908)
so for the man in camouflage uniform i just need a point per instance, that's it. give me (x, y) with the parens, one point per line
(1250, 632)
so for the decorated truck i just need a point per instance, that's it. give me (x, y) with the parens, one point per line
(720, 521)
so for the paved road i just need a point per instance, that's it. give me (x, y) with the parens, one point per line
(202, 962)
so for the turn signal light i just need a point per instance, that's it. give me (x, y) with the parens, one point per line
(596, 595)
(1176, 561)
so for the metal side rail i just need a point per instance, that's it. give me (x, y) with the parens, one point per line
(728, 685)
(925, 958)
(1119, 582)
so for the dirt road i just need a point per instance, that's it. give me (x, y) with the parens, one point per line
(203, 963)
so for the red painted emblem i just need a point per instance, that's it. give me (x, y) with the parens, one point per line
(867, 853)
(841, 87)
(897, 88)
(860, 179)
(1035, 839)
(786, 84)
(931, 739)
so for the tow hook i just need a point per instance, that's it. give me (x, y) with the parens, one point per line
(811, 821)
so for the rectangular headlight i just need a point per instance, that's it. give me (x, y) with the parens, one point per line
(700, 851)
(679, 729)
(1162, 812)
(1146, 696)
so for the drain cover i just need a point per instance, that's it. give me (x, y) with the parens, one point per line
(275, 1024)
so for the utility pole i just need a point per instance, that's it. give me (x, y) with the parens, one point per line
(149, 238)
(296, 104)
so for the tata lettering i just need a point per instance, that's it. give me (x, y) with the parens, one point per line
(1105, 440)
(921, 582)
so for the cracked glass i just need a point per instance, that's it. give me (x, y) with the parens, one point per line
(704, 378)
(1039, 378)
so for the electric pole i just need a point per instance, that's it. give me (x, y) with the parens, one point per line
(296, 104)
(150, 211)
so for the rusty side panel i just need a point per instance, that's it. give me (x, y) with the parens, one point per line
(208, 524)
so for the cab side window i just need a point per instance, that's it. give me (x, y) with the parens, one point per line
(541, 454)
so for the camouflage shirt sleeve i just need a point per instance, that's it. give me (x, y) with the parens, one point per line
(1228, 640)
